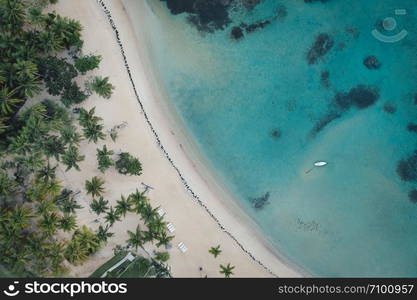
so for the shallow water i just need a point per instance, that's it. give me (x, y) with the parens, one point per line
(350, 218)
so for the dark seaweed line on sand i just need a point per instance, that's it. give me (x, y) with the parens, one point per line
(195, 196)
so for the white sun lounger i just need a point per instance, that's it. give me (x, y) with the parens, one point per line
(182, 247)
(170, 227)
(161, 212)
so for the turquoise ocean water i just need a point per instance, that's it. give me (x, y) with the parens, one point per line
(350, 218)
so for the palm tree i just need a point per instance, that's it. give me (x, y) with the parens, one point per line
(112, 216)
(99, 206)
(104, 159)
(8, 101)
(75, 252)
(33, 161)
(71, 158)
(49, 223)
(88, 117)
(161, 256)
(27, 78)
(19, 144)
(45, 207)
(148, 213)
(215, 251)
(95, 186)
(70, 136)
(68, 223)
(101, 86)
(88, 239)
(227, 270)
(53, 146)
(66, 202)
(49, 42)
(123, 206)
(157, 224)
(47, 173)
(136, 239)
(103, 233)
(163, 239)
(139, 200)
(93, 132)
(128, 164)
(18, 217)
(68, 30)
(7, 185)
(12, 15)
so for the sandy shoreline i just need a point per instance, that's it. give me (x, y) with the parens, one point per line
(194, 225)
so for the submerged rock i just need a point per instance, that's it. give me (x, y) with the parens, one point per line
(276, 133)
(407, 168)
(249, 4)
(412, 195)
(372, 63)
(236, 33)
(322, 45)
(412, 127)
(281, 12)
(205, 15)
(325, 79)
(312, 1)
(389, 108)
(361, 96)
(259, 203)
(320, 125)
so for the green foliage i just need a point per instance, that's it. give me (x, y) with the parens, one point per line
(72, 94)
(101, 86)
(70, 136)
(163, 239)
(123, 206)
(161, 256)
(113, 134)
(57, 74)
(136, 239)
(83, 244)
(92, 130)
(87, 63)
(71, 158)
(215, 251)
(68, 223)
(104, 159)
(127, 164)
(112, 216)
(8, 101)
(54, 147)
(12, 15)
(33, 142)
(95, 186)
(99, 206)
(66, 202)
(103, 233)
(227, 270)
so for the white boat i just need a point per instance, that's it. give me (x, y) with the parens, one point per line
(317, 164)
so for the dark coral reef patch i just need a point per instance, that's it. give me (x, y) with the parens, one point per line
(407, 168)
(360, 97)
(321, 46)
(206, 15)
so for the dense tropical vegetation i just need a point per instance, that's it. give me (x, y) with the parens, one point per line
(39, 232)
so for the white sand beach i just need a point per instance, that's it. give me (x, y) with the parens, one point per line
(195, 227)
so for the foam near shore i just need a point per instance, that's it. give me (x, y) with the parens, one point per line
(197, 204)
